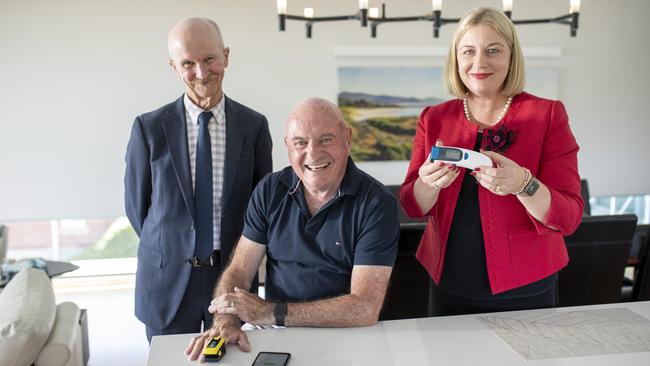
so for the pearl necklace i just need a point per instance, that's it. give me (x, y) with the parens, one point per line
(468, 115)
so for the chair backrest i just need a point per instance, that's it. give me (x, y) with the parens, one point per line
(408, 292)
(598, 253)
(584, 192)
(394, 189)
(641, 289)
(4, 233)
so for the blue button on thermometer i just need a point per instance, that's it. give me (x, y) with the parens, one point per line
(458, 156)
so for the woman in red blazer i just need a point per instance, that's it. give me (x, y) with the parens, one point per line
(494, 236)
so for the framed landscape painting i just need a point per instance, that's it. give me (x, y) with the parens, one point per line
(382, 105)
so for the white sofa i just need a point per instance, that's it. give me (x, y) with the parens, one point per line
(33, 329)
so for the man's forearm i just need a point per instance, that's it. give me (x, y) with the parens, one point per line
(359, 308)
(343, 311)
(240, 273)
(230, 279)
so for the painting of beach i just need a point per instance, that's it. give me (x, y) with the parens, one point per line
(382, 104)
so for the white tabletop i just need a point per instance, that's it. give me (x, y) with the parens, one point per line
(454, 340)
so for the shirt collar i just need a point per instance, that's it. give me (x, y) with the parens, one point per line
(352, 180)
(350, 184)
(194, 110)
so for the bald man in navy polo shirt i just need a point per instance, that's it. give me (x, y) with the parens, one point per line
(329, 232)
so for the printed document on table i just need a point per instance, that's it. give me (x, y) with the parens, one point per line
(555, 334)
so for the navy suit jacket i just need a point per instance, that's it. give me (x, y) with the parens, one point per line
(159, 199)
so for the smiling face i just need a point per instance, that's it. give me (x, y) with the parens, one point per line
(200, 60)
(318, 143)
(483, 60)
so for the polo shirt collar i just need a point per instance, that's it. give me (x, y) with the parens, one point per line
(350, 184)
(352, 180)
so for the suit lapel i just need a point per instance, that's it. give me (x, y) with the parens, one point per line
(235, 132)
(176, 136)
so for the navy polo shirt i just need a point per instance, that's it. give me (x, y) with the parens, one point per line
(311, 257)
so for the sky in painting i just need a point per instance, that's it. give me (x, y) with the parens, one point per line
(425, 82)
(418, 82)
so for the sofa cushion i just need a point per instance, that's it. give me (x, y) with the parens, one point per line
(27, 311)
(63, 347)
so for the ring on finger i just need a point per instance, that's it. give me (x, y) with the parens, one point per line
(497, 189)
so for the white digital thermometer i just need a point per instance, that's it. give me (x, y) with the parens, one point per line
(462, 157)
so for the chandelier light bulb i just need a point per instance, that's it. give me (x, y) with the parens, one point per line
(507, 5)
(363, 4)
(282, 7)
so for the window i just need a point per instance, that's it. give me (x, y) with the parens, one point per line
(69, 240)
(623, 204)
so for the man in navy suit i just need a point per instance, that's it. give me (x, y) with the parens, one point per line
(191, 166)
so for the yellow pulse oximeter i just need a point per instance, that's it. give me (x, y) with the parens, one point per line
(215, 350)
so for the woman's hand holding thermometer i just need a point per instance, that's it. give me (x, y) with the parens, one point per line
(437, 174)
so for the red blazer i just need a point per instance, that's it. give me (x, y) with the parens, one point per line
(519, 250)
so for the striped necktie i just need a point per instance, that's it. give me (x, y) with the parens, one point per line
(203, 196)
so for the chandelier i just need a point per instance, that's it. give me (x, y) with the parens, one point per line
(373, 16)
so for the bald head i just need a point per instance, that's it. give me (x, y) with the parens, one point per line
(317, 111)
(192, 29)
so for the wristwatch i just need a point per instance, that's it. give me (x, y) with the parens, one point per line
(532, 187)
(280, 312)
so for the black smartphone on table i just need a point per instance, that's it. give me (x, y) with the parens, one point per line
(272, 359)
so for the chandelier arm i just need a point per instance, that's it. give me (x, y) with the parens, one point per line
(322, 19)
(401, 19)
(449, 20)
(569, 19)
(563, 19)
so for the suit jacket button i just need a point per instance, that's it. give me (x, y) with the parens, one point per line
(192, 227)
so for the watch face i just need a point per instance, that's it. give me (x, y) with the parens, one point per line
(532, 187)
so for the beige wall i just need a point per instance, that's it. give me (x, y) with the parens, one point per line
(74, 74)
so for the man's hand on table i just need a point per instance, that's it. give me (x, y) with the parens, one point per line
(226, 327)
(245, 305)
(228, 309)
